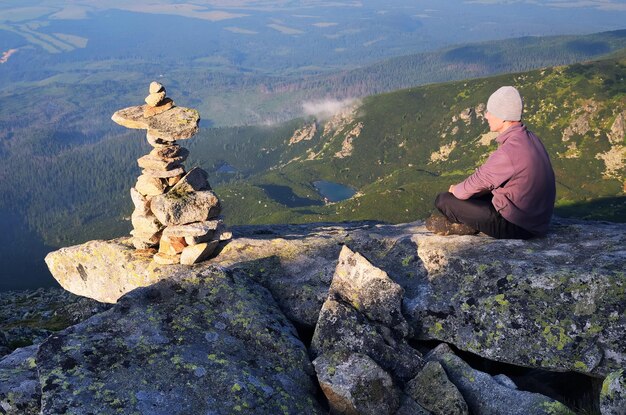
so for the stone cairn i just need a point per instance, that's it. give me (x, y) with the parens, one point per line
(175, 210)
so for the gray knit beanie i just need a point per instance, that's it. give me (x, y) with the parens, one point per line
(506, 103)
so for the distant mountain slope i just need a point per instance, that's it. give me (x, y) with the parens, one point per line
(399, 149)
(457, 63)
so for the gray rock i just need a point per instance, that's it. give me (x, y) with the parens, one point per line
(150, 162)
(141, 203)
(537, 303)
(212, 343)
(355, 385)
(104, 270)
(170, 152)
(163, 174)
(504, 380)
(432, 389)
(20, 392)
(149, 186)
(613, 394)
(198, 229)
(155, 141)
(30, 316)
(369, 290)
(178, 209)
(145, 223)
(193, 181)
(485, 396)
(409, 407)
(345, 325)
(556, 302)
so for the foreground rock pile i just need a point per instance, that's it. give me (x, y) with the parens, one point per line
(392, 313)
(175, 210)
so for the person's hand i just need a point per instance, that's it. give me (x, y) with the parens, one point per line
(451, 189)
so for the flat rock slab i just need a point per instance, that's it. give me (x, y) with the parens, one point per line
(177, 123)
(193, 229)
(212, 343)
(105, 270)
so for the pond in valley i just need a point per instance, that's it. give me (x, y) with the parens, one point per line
(334, 192)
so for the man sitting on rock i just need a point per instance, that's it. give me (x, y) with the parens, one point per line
(512, 194)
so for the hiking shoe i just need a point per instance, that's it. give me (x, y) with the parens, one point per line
(440, 225)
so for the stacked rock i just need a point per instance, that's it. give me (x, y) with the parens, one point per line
(175, 211)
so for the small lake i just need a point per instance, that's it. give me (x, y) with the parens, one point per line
(334, 192)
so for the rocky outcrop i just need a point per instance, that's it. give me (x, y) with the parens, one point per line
(209, 342)
(362, 314)
(554, 303)
(305, 133)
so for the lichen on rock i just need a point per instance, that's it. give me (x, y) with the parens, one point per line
(212, 342)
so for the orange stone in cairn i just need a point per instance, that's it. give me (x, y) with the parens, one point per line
(172, 245)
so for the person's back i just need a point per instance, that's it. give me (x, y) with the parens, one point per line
(527, 199)
(512, 194)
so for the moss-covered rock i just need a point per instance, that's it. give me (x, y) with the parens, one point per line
(613, 394)
(211, 342)
(355, 385)
(486, 396)
(557, 302)
(352, 318)
(20, 392)
(432, 389)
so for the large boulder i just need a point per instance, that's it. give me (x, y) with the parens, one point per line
(211, 342)
(557, 302)
(486, 396)
(353, 318)
(106, 270)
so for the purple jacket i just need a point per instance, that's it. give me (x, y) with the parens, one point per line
(520, 176)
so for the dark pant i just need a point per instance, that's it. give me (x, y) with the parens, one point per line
(480, 214)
